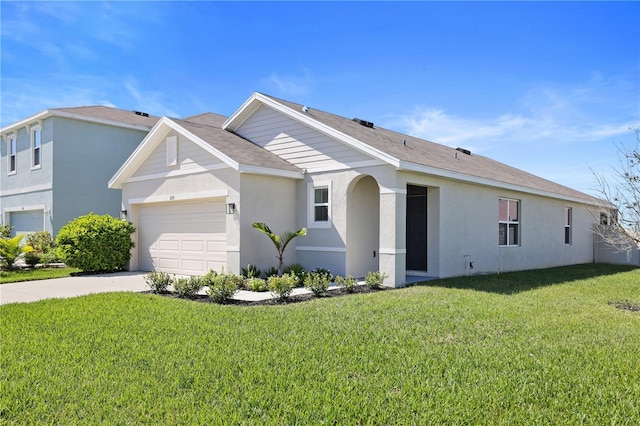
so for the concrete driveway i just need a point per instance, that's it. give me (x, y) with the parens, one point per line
(31, 291)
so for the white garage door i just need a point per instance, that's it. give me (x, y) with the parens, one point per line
(182, 238)
(27, 221)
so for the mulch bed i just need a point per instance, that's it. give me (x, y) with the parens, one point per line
(626, 305)
(338, 292)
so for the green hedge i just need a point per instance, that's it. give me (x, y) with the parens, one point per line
(95, 243)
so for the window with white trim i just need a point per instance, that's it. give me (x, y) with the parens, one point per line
(567, 225)
(508, 222)
(319, 212)
(36, 148)
(12, 149)
(321, 204)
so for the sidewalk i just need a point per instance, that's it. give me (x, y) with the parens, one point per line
(31, 291)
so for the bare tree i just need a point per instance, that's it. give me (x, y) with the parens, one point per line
(621, 199)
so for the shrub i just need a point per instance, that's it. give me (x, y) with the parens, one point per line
(375, 279)
(223, 287)
(49, 258)
(41, 241)
(207, 279)
(256, 284)
(158, 281)
(271, 272)
(32, 258)
(5, 231)
(318, 283)
(348, 283)
(95, 243)
(187, 287)
(251, 271)
(281, 287)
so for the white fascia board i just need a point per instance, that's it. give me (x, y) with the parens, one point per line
(258, 98)
(202, 144)
(151, 141)
(64, 114)
(257, 170)
(27, 121)
(247, 107)
(138, 156)
(413, 167)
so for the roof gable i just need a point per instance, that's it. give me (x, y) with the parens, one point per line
(230, 150)
(411, 153)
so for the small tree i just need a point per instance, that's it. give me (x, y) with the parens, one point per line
(95, 243)
(11, 250)
(279, 241)
(621, 198)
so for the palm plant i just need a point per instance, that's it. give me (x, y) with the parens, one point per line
(11, 250)
(279, 241)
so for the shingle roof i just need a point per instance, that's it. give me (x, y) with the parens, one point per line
(207, 127)
(114, 115)
(431, 154)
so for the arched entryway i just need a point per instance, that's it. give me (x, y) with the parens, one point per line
(363, 226)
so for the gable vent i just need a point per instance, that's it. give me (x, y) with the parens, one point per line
(143, 114)
(464, 151)
(364, 123)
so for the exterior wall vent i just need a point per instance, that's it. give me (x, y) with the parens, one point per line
(464, 151)
(143, 114)
(364, 123)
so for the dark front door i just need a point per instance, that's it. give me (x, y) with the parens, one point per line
(416, 228)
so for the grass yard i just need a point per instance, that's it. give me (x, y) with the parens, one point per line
(537, 347)
(35, 274)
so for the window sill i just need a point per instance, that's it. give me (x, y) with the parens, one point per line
(319, 225)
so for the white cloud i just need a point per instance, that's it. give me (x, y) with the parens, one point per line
(546, 114)
(290, 84)
(150, 101)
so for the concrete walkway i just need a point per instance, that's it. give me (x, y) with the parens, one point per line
(31, 291)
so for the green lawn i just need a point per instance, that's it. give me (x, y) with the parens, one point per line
(539, 347)
(35, 274)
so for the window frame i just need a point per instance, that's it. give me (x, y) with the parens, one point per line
(12, 154)
(510, 223)
(568, 226)
(311, 209)
(36, 151)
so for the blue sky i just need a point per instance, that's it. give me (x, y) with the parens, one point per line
(545, 87)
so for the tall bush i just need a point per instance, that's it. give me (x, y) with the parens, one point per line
(95, 243)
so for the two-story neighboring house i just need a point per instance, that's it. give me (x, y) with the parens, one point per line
(56, 164)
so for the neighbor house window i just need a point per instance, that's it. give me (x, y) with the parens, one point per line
(567, 225)
(36, 148)
(509, 222)
(12, 149)
(319, 215)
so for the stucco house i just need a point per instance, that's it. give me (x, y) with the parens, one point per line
(371, 198)
(55, 164)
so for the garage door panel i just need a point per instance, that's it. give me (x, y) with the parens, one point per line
(193, 245)
(167, 263)
(24, 222)
(165, 244)
(182, 238)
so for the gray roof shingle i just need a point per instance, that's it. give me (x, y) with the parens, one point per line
(114, 115)
(207, 127)
(431, 154)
